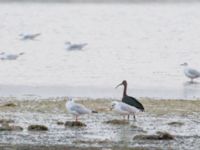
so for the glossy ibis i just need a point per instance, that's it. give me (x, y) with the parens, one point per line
(190, 72)
(130, 100)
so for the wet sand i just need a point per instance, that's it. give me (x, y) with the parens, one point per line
(180, 118)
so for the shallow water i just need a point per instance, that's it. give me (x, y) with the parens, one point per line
(143, 43)
(99, 134)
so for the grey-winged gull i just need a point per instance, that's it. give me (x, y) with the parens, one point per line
(190, 72)
(77, 109)
(29, 36)
(124, 109)
(71, 46)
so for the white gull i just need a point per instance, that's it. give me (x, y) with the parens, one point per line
(190, 72)
(29, 36)
(5, 56)
(77, 109)
(124, 109)
(71, 47)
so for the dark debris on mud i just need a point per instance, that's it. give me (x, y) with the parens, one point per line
(117, 122)
(37, 128)
(5, 125)
(176, 124)
(10, 128)
(60, 123)
(74, 124)
(9, 105)
(158, 136)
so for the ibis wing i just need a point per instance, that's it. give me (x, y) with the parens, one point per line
(133, 102)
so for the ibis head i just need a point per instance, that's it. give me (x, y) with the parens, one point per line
(124, 83)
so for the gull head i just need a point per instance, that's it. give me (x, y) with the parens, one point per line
(68, 43)
(184, 64)
(21, 34)
(69, 99)
(113, 104)
(124, 82)
(22, 53)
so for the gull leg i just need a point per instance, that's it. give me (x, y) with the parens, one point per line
(134, 117)
(76, 118)
(128, 117)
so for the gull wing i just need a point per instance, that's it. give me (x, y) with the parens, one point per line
(193, 72)
(80, 109)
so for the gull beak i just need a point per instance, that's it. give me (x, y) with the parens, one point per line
(118, 85)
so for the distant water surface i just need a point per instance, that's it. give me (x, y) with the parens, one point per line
(144, 43)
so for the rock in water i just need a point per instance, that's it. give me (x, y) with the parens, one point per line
(176, 124)
(157, 136)
(2, 121)
(60, 123)
(74, 124)
(7, 127)
(9, 105)
(37, 128)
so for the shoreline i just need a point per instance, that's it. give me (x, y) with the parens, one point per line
(51, 105)
(187, 92)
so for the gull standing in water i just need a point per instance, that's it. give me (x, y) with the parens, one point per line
(29, 36)
(124, 109)
(77, 109)
(190, 72)
(10, 56)
(70, 46)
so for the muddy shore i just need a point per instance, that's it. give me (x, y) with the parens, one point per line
(179, 118)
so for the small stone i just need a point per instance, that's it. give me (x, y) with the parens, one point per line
(6, 121)
(16, 128)
(6, 127)
(74, 124)
(10, 105)
(165, 135)
(176, 123)
(117, 122)
(37, 128)
(60, 123)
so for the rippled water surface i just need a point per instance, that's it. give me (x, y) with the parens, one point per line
(143, 43)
